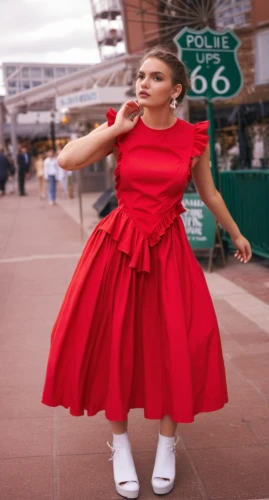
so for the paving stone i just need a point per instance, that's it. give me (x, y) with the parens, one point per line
(217, 434)
(22, 369)
(33, 335)
(83, 435)
(23, 401)
(27, 478)
(82, 476)
(236, 472)
(251, 364)
(26, 437)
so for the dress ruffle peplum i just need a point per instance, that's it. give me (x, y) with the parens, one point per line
(137, 327)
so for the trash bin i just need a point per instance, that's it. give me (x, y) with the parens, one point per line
(106, 202)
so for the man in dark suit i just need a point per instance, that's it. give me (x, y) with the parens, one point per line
(23, 161)
(5, 171)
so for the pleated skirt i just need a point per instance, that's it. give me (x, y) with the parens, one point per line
(125, 339)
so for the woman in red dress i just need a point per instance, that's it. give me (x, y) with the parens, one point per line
(137, 328)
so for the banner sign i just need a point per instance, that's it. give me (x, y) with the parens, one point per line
(199, 222)
(78, 99)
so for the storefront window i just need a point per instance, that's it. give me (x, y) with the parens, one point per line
(60, 72)
(25, 72)
(25, 85)
(48, 72)
(36, 72)
(10, 70)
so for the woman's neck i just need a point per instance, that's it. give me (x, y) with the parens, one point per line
(158, 118)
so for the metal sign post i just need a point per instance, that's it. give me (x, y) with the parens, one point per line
(211, 58)
(213, 159)
(80, 204)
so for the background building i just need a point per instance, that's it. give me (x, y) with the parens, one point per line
(35, 125)
(24, 76)
(233, 13)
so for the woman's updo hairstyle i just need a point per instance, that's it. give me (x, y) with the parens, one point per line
(178, 68)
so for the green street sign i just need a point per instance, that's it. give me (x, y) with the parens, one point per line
(211, 58)
(199, 222)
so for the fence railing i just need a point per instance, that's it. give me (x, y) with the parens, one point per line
(246, 194)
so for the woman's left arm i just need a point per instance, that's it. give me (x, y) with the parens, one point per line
(202, 177)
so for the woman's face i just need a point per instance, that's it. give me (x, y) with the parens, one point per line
(154, 85)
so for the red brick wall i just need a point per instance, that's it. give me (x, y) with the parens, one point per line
(141, 21)
(260, 13)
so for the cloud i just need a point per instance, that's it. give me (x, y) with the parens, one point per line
(80, 56)
(26, 15)
(58, 36)
(46, 30)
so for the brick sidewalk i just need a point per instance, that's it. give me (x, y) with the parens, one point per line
(45, 453)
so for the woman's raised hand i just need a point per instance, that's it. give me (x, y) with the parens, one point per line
(127, 117)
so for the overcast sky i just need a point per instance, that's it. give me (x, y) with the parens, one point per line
(47, 30)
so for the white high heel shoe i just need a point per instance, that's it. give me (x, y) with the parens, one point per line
(125, 477)
(164, 472)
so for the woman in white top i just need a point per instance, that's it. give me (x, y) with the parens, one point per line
(51, 174)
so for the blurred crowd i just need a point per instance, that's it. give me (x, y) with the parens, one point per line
(50, 175)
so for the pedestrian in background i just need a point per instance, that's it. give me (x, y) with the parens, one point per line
(11, 179)
(39, 167)
(5, 171)
(23, 161)
(51, 174)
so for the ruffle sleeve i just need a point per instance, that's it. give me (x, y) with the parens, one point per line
(200, 142)
(111, 117)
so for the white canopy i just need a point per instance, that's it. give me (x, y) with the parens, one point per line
(115, 74)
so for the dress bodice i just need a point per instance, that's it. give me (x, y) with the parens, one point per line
(153, 168)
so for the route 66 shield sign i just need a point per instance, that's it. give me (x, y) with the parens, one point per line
(211, 58)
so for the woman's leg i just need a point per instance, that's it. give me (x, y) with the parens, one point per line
(126, 480)
(50, 188)
(42, 186)
(167, 426)
(2, 186)
(164, 473)
(118, 427)
(54, 189)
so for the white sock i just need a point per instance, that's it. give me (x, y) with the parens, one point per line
(121, 439)
(166, 440)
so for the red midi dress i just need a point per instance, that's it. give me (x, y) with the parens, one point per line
(137, 327)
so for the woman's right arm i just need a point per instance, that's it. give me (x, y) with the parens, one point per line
(99, 143)
(89, 149)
